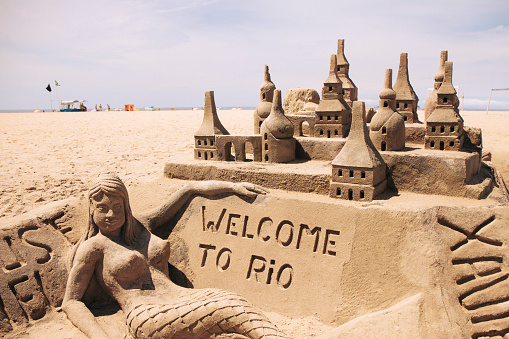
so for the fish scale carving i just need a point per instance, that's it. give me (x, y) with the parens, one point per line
(481, 276)
(202, 314)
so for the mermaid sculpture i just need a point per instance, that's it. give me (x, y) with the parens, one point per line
(131, 265)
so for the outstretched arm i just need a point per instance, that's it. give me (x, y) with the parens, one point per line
(177, 200)
(79, 278)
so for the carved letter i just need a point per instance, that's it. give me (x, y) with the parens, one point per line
(205, 249)
(329, 241)
(290, 233)
(210, 225)
(260, 225)
(261, 267)
(244, 229)
(230, 227)
(223, 266)
(289, 277)
(316, 230)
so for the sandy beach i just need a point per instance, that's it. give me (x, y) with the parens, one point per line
(47, 157)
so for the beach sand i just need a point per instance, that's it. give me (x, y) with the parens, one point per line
(47, 157)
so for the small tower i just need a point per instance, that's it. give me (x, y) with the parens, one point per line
(342, 69)
(262, 111)
(205, 137)
(278, 143)
(444, 127)
(431, 100)
(333, 114)
(406, 99)
(387, 126)
(358, 171)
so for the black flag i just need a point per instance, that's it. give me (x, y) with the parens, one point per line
(48, 88)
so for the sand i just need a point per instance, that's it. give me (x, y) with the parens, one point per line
(47, 157)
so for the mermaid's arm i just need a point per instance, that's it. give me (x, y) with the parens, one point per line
(177, 200)
(77, 283)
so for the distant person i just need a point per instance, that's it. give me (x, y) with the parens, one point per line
(108, 106)
(100, 107)
(96, 107)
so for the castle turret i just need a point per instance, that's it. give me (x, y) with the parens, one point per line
(406, 99)
(387, 127)
(262, 111)
(204, 138)
(444, 127)
(342, 69)
(431, 100)
(358, 171)
(278, 144)
(333, 114)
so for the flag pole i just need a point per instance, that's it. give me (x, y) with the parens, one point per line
(56, 89)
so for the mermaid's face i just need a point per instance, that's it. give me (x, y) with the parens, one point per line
(108, 213)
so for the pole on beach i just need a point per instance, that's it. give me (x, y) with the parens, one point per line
(494, 89)
(56, 89)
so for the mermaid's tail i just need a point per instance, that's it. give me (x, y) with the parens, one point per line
(205, 313)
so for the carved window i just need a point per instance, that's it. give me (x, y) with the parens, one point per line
(386, 104)
(211, 155)
(321, 117)
(263, 96)
(351, 173)
(397, 105)
(211, 142)
(335, 117)
(445, 100)
(361, 194)
(442, 146)
(266, 146)
(330, 88)
(328, 117)
(350, 194)
(199, 154)
(405, 118)
(339, 68)
(384, 130)
(266, 157)
(338, 191)
(433, 129)
(432, 144)
(336, 132)
(265, 136)
(442, 129)
(363, 174)
(199, 142)
(205, 142)
(451, 143)
(321, 132)
(340, 173)
(206, 156)
(406, 105)
(452, 129)
(384, 146)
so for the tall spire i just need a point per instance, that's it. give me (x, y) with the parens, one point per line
(387, 92)
(341, 53)
(439, 75)
(277, 123)
(402, 86)
(211, 124)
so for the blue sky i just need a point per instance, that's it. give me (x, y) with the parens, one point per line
(168, 53)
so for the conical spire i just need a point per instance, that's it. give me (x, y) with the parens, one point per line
(358, 150)
(267, 88)
(211, 124)
(447, 86)
(439, 75)
(341, 53)
(277, 123)
(387, 92)
(333, 76)
(402, 86)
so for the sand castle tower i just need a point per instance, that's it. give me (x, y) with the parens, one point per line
(387, 126)
(205, 137)
(406, 99)
(358, 171)
(278, 144)
(444, 127)
(342, 69)
(431, 100)
(333, 114)
(262, 111)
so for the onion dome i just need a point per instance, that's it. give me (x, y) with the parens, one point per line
(277, 123)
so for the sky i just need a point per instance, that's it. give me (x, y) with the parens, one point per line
(168, 53)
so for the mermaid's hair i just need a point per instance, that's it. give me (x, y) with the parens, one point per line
(107, 184)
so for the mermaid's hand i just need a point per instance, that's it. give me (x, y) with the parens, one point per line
(248, 189)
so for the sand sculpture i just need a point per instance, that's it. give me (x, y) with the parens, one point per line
(130, 264)
(387, 126)
(300, 101)
(406, 99)
(342, 69)
(444, 127)
(263, 109)
(431, 100)
(358, 171)
(412, 269)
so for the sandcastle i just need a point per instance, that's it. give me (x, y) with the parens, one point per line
(363, 265)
